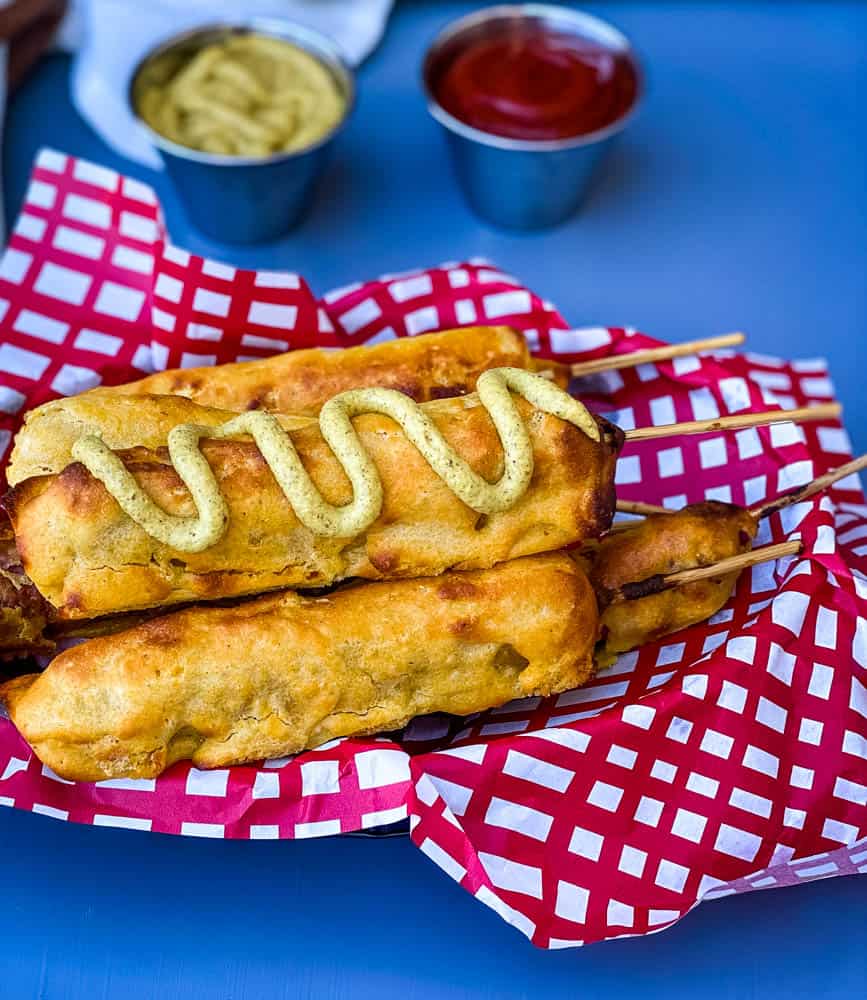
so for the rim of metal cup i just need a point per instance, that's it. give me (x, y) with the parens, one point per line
(315, 44)
(573, 22)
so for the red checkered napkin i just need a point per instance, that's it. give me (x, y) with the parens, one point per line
(731, 756)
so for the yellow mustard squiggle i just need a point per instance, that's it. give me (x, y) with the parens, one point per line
(194, 534)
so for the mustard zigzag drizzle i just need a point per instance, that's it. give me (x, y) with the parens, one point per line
(194, 534)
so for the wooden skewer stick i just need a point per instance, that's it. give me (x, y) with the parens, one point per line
(633, 522)
(652, 354)
(738, 421)
(810, 489)
(619, 526)
(769, 507)
(734, 564)
(640, 507)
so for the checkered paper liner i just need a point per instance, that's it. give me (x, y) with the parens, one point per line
(729, 757)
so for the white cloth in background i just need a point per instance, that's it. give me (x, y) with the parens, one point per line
(111, 36)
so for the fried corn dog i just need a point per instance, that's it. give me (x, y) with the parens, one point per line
(698, 535)
(430, 366)
(87, 558)
(285, 672)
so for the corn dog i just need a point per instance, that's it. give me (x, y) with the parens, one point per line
(698, 535)
(427, 367)
(286, 672)
(88, 558)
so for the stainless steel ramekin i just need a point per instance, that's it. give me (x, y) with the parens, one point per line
(516, 183)
(235, 199)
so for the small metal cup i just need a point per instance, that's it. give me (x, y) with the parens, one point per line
(516, 183)
(236, 199)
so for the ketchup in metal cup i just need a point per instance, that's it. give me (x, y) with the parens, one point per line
(528, 82)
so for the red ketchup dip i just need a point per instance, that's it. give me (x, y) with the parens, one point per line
(528, 82)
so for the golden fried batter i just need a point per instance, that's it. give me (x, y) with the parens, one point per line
(430, 366)
(285, 672)
(89, 559)
(44, 444)
(698, 535)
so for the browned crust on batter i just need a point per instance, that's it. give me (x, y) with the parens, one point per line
(141, 413)
(300, 382)
(698, 535)
(44, 444)
(285, 672)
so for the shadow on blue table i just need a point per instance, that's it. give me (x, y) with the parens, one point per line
(91, 912)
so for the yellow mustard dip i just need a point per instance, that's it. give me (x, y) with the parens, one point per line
(246, 95)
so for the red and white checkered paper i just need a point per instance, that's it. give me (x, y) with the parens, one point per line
(729, 757)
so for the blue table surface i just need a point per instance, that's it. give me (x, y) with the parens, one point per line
(736, 201)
